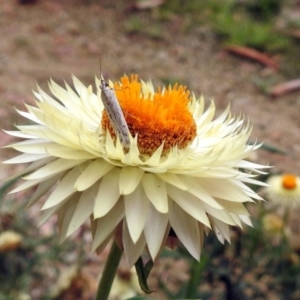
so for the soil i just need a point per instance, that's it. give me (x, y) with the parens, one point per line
(55, 39)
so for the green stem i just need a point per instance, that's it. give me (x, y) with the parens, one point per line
(109, 272)
(196, 273)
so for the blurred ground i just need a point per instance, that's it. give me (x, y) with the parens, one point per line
(54, 39)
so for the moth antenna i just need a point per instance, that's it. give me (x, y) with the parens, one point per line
(100, 68)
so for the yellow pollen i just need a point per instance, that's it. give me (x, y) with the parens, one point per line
(156, 117)
(289, 181)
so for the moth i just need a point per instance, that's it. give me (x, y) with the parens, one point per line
(114, 112)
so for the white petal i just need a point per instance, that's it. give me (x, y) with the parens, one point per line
(172, 179)
(107, 224)
(250, 165)
(46, 134)
(43, 188)
(221, 215)
(156, 191)
(132, 250)
(32, 146)
(79, 86)
(224, 189)
(246, 219)
(221, 229)
(129, 179)
(19, 134)
(47, 213)
(237, 220)
(233, 207)
(104, 244)
(24, 158)
(154, 160)
(108, 193)
(65, 214)
(53, 168)
(247, 190)
(33, 166)
(132, 158)
(136, 211)
(29, 115)
(189, 203)
(83, 209)
(96, 170)
(195, 188)
(67, 153)
(254, 181)
(64, 189)
(154, 230)
(207, 116)
(186, 229)
(109, 145)
(26, 185)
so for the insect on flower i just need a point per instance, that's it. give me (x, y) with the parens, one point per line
(114, 112)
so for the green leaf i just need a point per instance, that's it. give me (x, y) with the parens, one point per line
(143, 273)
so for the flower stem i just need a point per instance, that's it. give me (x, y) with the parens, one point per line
(109, 272)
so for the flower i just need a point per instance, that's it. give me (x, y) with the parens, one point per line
(10, 240)
(125, 285)
(284, 190)
(273, 224)
(184, 171)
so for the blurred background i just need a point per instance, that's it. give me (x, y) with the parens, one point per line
(245, 53)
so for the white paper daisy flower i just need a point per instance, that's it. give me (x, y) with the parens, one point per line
(184, 171)
(284, 190)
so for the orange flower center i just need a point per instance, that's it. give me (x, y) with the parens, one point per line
(289, 181)
(159, 117)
